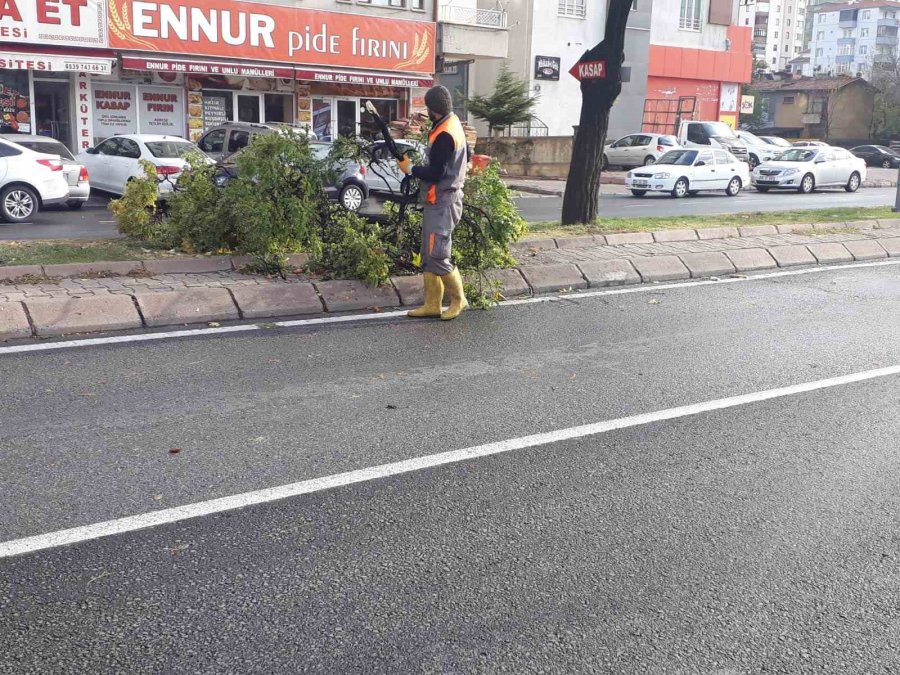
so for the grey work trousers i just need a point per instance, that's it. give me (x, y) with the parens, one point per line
(438, 222)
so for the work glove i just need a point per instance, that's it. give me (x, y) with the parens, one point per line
(405, 164)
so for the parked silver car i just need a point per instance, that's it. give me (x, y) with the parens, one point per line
(223, 141)
(76, 174)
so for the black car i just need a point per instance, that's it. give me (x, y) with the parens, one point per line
(878, 155)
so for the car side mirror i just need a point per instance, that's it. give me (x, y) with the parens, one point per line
(700, 163)
(821, 160)
(91, 151)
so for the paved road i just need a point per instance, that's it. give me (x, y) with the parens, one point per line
(94, 220)
(759, 538)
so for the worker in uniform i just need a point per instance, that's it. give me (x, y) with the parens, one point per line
(441, 180)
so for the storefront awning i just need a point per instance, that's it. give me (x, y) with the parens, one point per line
(205, 67)
(55, 63)
(385, 79)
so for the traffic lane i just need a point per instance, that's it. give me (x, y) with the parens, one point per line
(536, 208)
(91, 221)
(758, 539)
(87, 432)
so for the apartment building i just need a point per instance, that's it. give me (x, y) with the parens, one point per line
(854, 38)
(779, 28)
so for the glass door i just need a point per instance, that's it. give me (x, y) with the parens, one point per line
(51, 110)
(249, 107)
(347, 117)
(323, 113)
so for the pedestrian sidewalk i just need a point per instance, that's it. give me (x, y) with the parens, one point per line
(106, 299)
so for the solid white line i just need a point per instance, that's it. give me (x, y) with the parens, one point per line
(381, 316)
(199, 509)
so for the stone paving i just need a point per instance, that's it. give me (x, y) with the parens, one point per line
(626, 251)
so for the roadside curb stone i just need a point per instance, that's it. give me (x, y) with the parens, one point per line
(891, 246)
(16, 271)
(751, 259)
(75, 269)
(867, 249)
(663, 236)
(191, 305)
(189, 265)
(889, 223)
(622, 238)
(757, 230)
(532, 245)
(602, 273)
(410, 289)
(661, 268)
(13, 321)
(862, 224)
(709, 264)
(511, 281)
(344, 295)
(789, 256)
(830, 253)
(581, 241)
(257, 302)
(551, 278)
(60, 316)
(799, 227)
(706, 233)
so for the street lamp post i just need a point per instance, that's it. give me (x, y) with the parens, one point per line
(897, 200)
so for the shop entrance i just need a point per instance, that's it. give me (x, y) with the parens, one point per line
(347, 117)
(52, 110)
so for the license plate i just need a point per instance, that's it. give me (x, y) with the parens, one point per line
(766, 181)
(641, 184)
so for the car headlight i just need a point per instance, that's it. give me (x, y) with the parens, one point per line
(791, 172)
(662, 176)
(220, 180)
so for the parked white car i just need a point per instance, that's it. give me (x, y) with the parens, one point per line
(29, 181)
(117, 160)
(809, 144)
(777, 140)
(759, 150)
(76, 175)
(805, 169)
(638, 150)
(687, 172)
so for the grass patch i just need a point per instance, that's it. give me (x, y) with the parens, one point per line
(77, 251)
(612, 225)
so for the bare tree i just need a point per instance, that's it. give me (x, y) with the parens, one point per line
(582, 195)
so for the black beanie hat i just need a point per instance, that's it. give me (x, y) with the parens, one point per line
(438, 100)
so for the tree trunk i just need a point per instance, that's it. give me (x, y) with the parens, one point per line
(581, 201)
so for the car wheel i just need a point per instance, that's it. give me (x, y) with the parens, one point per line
(638, 193)
(681, 188)
(352, 197)
(762, 189)
(649, 159)
(18, 203)
(808, 184)
(754, 161)
(74, 205)
(734, 187)
(604, 163)
(853, 183)
(887, 164)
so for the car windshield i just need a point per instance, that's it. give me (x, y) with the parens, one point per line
(47, 147)
(678, 157)
(718, 130)
(797, 155)
(171, 149)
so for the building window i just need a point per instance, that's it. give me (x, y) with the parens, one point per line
(843, 68)
(418, 5)
(820, 35)
(821, 18)
(863, 50)
(866, 15)
(797, 50)
(690, 15)
(863, 32)
(775, 61)
(787, 100)
(820, 52)
(777, 22)
(786, 49)
(634, 6)
(776, 34)
(384, 3)
(572, 8)
(787, 22)
(848, 32)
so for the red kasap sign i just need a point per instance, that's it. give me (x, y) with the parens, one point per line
(589, 70)
(233, 29)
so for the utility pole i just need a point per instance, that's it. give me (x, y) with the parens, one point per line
(897, 200)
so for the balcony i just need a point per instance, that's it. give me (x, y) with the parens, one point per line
(467, 32)
(844, 58)
(888, 59)
(846, 42)
(887, 40)
(890, 23)
(847, 22)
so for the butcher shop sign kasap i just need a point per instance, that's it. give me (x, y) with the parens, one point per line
(272, 33)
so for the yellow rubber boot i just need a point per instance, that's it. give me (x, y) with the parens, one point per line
(454, 284)
(434, 294)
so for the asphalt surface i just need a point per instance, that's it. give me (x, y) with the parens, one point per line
(94, 221)
(755, 539)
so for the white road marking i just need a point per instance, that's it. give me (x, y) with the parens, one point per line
(205, 508)
(381, 316)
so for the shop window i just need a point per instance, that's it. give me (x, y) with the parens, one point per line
(213, 141)
(322, 114)
(279, 108)
(248, 108)
(15, 104)
(238, 141)
(387, 109)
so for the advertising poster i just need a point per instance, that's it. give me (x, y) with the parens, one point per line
(72, 23)
(115, 109)
(15, 105)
